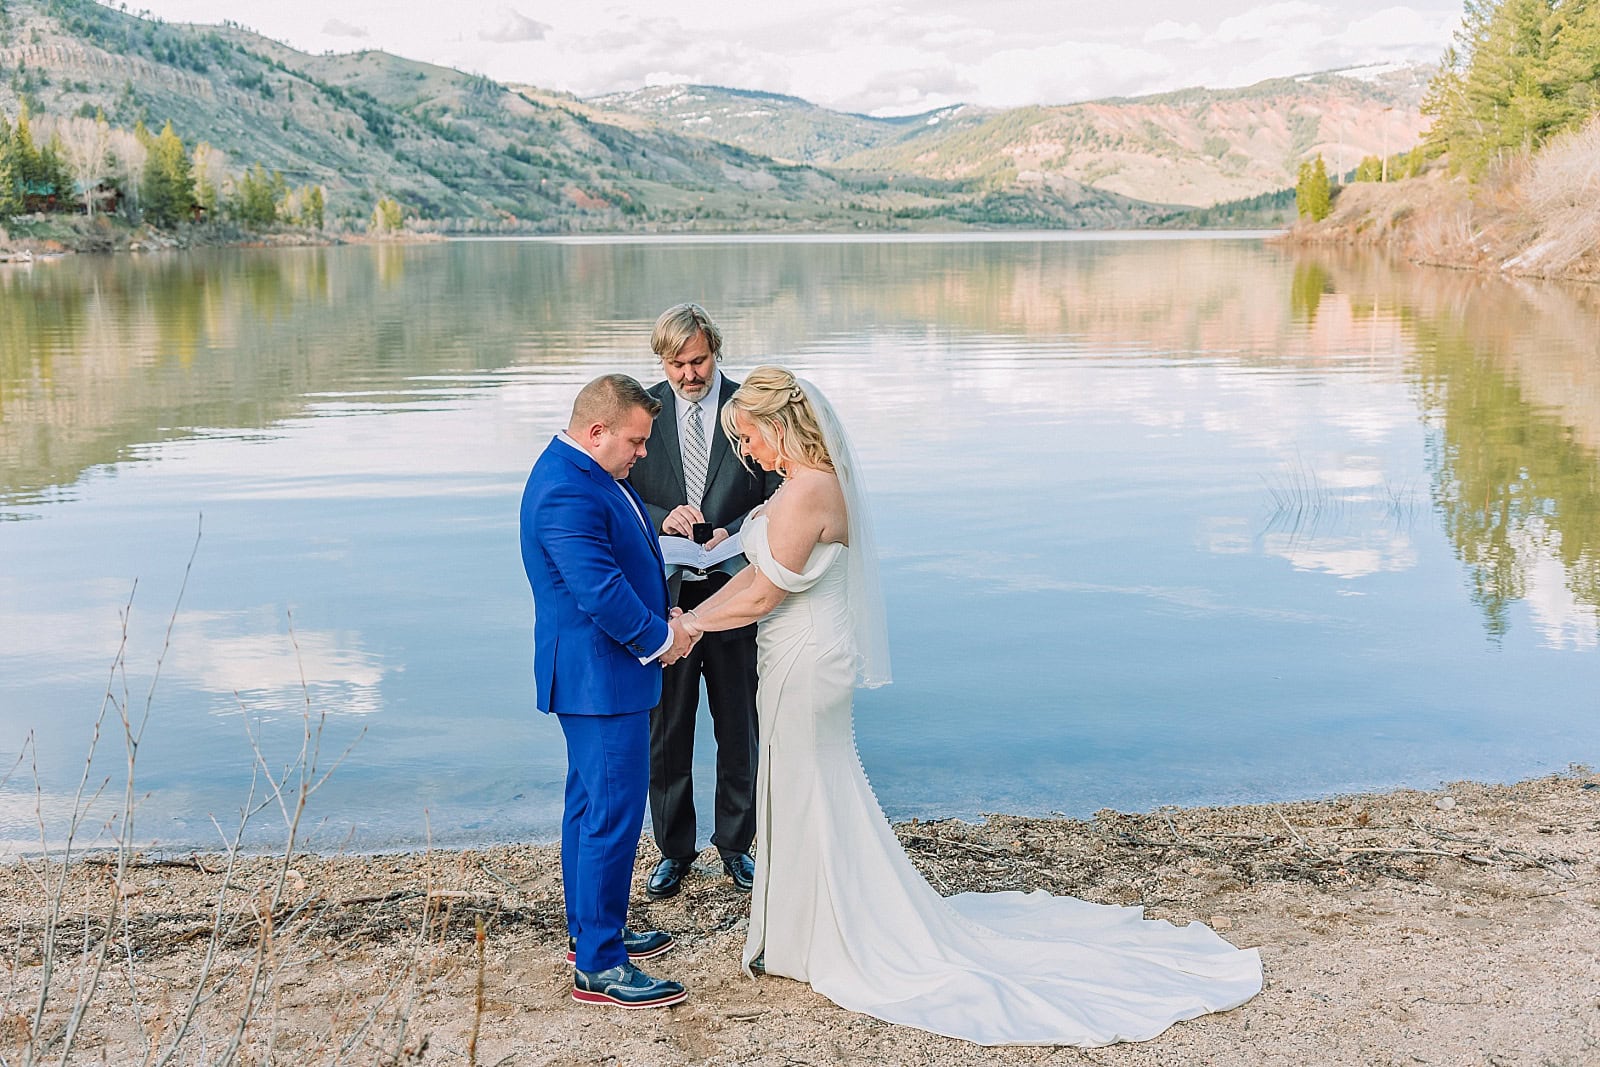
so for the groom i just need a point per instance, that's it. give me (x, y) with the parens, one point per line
(601, 634)
(690, 477)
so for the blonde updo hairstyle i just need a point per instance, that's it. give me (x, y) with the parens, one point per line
(772, 400)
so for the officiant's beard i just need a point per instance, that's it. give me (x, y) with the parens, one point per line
(695, 364)
(694, 393)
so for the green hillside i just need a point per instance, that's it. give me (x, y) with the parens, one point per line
(1196, 146)
(462, 153)
(771, 124)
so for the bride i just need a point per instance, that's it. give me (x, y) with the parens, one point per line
(836, 901)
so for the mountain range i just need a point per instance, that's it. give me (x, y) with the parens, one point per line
(1196, 147)
(464, 153)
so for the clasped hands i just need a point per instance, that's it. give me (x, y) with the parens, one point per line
(685, 632)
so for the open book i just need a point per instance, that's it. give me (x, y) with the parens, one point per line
(682, 552)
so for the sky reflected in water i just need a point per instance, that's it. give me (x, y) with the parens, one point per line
(1163, 521)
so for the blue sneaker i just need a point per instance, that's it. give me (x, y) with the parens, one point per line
(625, 986)
(641, 944)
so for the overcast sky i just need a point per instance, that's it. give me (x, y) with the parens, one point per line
(879, 59)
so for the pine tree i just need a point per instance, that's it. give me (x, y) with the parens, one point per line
(55, 172)
(25, 168)
(10, 180)
(168, 183)
(1321, 190)
(1313, 196)
(1573, 67)
(253, 202)
(1520, 72)
(35, 175)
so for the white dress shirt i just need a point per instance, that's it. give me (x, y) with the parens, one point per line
(708, 415)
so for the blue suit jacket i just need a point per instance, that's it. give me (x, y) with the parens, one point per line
(599, 590)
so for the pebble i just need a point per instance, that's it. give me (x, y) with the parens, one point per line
(1445, 803)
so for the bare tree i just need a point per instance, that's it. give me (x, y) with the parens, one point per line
(127, 162)
(88, 147)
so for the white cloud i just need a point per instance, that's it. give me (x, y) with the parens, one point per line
(1270, 22)
(1398, 29)
(247, 652)
(224, 654)
(898, 59)
(340, 28)
(1168, 30)
(514, 26)
(1343, 557)
(1067, 72)
(1560, 617)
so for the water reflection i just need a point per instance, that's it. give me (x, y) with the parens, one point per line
(1508, 376)
(102, 355)
(1174, 521)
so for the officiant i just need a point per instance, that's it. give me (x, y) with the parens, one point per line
(696, 487)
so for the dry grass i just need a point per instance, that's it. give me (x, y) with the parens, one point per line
(1532, 215)
(85, 941)
(1434, 927)
(1562, 196)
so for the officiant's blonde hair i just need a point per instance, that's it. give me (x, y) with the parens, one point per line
(771, 398)
(680, 324)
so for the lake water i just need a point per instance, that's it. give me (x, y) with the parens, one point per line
(1164, 520)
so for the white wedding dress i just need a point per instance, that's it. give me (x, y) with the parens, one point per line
(838, 904)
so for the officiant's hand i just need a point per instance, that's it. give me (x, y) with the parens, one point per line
(681, 519)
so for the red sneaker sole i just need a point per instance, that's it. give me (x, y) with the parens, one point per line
(585, 997)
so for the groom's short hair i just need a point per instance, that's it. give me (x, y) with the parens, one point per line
(608, 399)
(678, 325)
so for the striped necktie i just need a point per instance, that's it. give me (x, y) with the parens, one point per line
(695, 457)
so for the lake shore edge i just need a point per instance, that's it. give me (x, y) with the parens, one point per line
(49, 237)
(1438, 220)
(1444, 926)
(75, 235)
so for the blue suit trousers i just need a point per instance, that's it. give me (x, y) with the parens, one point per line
(608, 774)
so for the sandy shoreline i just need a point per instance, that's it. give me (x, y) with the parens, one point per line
(1448, 927)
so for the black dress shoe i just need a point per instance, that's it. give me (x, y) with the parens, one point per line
(625, 986)
(667, 878)
(641, 944)
(742, 869)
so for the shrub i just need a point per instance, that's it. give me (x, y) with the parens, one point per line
(1563, 200)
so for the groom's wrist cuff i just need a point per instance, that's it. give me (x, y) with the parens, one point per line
(657, 653)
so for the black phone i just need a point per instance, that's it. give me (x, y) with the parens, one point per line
(702, 532)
